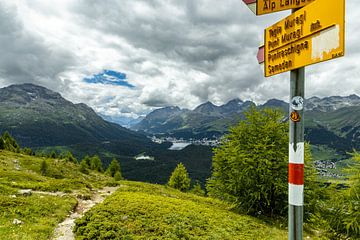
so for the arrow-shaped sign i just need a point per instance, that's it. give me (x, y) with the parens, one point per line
(260, 7)
(260, 55)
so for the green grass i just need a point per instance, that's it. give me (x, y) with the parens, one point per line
(39, 213)
(146, 211)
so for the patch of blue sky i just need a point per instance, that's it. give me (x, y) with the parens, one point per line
(110, 77)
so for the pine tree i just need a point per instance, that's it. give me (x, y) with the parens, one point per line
(2, 143)
(179, 178)
(9, 143)
(70, 158)
(52, 154)
(87, 160)
(114, 167)
(96, 164)
(43, 168)
(118, 176)
(84, 167)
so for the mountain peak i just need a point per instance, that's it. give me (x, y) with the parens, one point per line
(28, 92)
(206, 108)
(331, 103)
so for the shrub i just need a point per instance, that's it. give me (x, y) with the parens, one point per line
(341, 214)
(27, 151)
(197, 189)
(179, 178)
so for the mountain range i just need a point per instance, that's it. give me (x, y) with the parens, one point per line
(332, 121)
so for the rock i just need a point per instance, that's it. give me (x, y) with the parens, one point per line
(124, 218)
(25, 192)
(17, 221)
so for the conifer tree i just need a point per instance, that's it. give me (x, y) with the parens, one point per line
(87, 160)
(43, 168)
(2, 143)
(9, 143)
(52, 154)
(113, 168)
(118, 176)
(70, 157)
(179, 178)
(250, 167)
(96, 164)
(84, 167)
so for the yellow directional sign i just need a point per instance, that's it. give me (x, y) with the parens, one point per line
(270, 6)
(313, 34)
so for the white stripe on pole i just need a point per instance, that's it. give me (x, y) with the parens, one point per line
(296, 194)
(297, 156)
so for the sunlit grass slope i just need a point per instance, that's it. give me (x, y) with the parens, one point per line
(146, 211)
(39, 213)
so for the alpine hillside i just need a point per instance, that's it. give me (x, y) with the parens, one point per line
(37, 116)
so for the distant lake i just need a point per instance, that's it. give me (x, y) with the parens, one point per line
(179, 146)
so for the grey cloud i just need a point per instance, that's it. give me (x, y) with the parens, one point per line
(26, 57)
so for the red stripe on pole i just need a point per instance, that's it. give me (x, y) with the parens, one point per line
(249, 1)
(296, 174)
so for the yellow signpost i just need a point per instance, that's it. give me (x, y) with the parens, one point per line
(313, 34)
(270, 6)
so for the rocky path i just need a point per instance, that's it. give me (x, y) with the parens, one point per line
(64, 229)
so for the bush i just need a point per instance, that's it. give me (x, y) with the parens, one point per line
(341, 214)
(250, 167)
(179, 178)
(197, 189)
(27, 151)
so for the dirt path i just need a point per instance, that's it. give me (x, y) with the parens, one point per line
(64, 229)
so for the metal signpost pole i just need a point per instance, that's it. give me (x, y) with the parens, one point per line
(296, 154)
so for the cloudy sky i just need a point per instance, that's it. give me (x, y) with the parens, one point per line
(127, 57)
